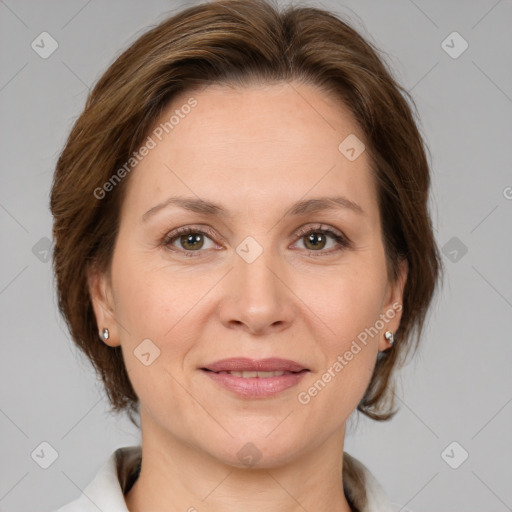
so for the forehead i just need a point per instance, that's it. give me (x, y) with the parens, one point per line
(249, 147)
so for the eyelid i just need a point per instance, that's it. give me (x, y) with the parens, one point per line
(192, 228)
(304, 230)
(342, 241)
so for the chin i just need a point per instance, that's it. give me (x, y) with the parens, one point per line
(255, 449)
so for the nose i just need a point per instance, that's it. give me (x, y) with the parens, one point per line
(256, 298)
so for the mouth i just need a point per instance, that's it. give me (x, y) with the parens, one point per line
(244, 364)
(251, 378)
(254, 374)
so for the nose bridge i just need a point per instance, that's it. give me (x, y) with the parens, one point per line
(256, 295)
(258, 285)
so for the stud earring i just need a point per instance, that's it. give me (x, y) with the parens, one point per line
(105, 334)
(390, 337)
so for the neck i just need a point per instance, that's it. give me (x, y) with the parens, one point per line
(176, 476)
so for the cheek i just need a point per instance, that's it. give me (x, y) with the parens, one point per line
(147, 298)
(351, 308)
(351, 302)
(349, 355)
(152, 310)
(154, 303)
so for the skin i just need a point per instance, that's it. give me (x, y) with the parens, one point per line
(255, 151)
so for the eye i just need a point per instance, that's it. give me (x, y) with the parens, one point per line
(189, 238)
(316, 238)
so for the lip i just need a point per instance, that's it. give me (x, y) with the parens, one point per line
(239, 364)
(255, 387)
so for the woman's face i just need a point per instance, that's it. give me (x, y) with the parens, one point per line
(255, 278)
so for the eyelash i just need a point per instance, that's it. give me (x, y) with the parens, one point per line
(343, 242)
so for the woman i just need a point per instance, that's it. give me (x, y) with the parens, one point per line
(240, 216)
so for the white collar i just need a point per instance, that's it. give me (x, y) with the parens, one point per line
(105, 491)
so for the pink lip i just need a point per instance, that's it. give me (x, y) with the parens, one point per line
(239, 364)
(254, 387)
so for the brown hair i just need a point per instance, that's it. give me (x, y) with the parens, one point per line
(236, 42)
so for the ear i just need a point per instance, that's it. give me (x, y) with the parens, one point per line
(100, 291)
(393, 305)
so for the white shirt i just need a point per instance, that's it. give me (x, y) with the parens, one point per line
(106, 491)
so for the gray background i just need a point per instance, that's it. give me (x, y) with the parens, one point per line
(458, 388)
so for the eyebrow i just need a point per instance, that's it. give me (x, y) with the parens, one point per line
(209, 208)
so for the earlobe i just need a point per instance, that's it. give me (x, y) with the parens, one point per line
(392, 312)
(100, 292)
